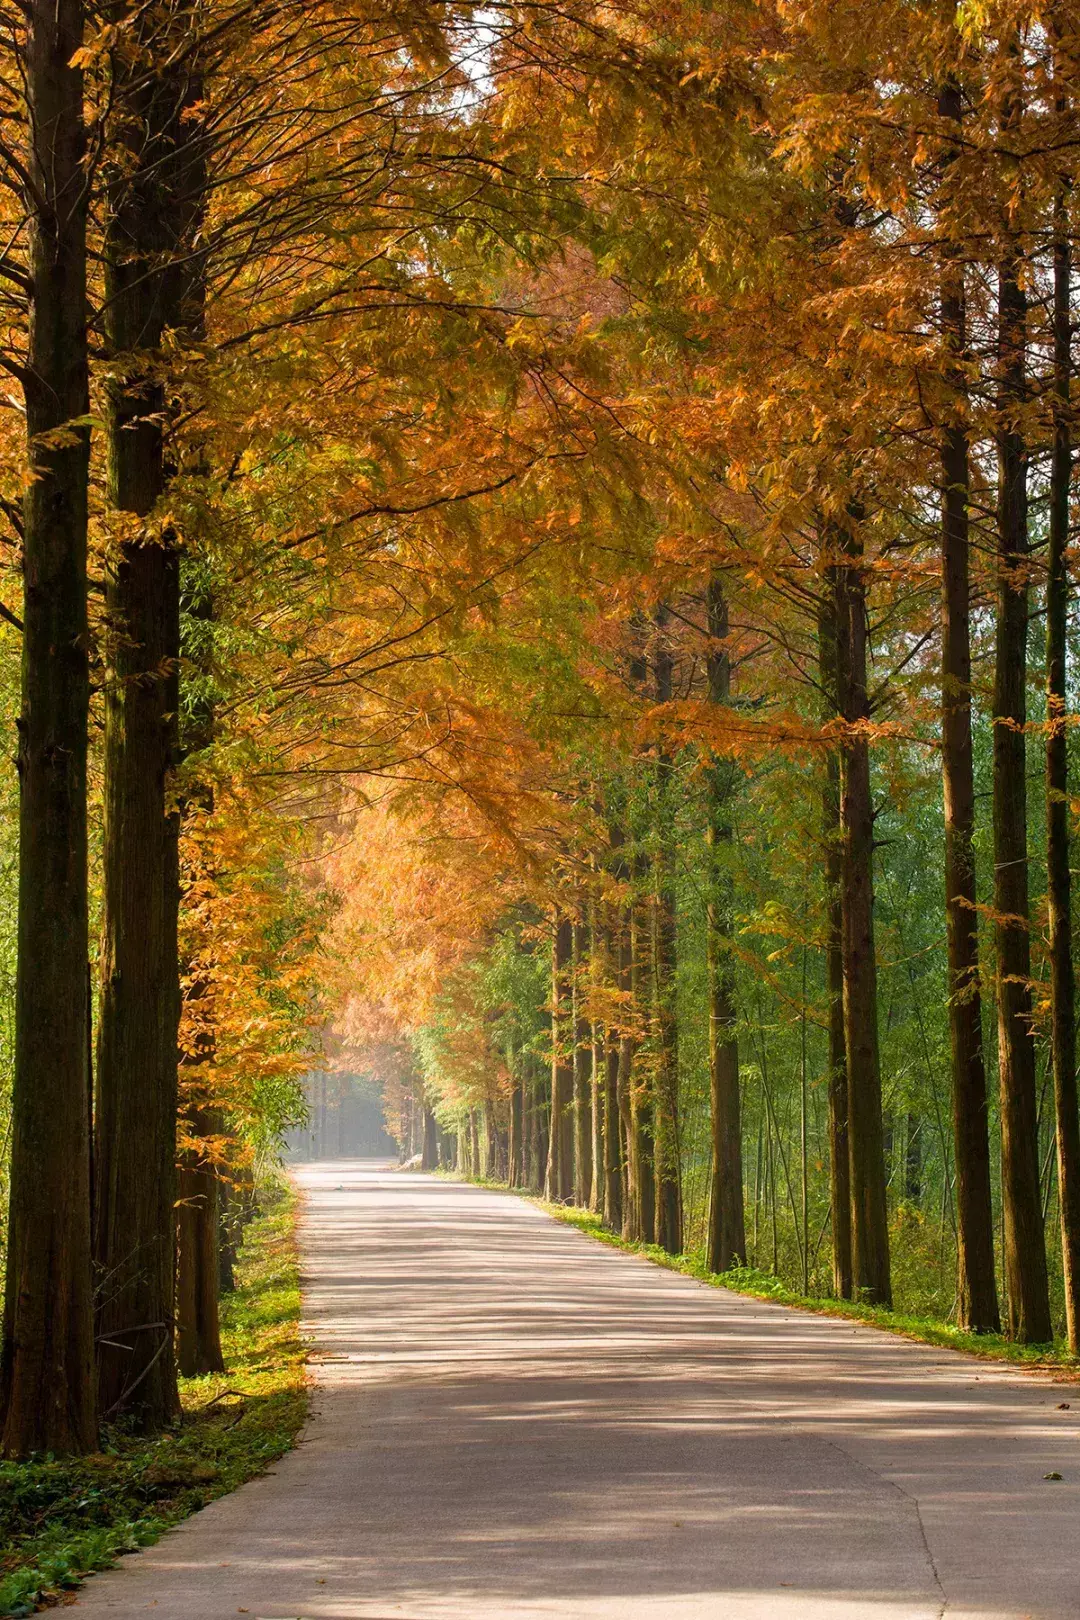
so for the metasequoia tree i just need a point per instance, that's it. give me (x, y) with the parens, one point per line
(1027, 1297)
(976, 1282)
(727, 1226)
(154, 202)
(46, 1362)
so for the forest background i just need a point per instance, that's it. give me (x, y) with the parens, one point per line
(538, 567)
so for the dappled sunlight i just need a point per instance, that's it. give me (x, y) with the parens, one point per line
(513, 1420)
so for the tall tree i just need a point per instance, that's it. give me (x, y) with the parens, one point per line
(726, 1242)
(1027, 1290)
(583, 1110)
(559, 1182)
(977, 1304)
(839, 1152)
(46, 1365)
(1059, 884)
(664, 944)
(869, 1215)
(151, 210)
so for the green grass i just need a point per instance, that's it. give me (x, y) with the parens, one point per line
(61, 1520)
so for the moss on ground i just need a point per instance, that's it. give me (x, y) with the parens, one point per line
(61, 1520)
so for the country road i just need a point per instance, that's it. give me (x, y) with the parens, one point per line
(511, 1420)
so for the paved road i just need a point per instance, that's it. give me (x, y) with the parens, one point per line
(513, 1421)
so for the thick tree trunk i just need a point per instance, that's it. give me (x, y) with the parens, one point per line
(869, 1215)
(664, 961)
(198, 1332)
(154, 198)
(559, 1182)
(726, 1238)
(583, 1165)
(1028, 1300)
(1062, 980)
(831, 842)
(977, 1304)
(135, 1126)
(47, 1359)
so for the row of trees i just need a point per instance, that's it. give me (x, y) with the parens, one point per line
(854, 358)
(554, 463)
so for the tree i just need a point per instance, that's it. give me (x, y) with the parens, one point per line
(46, 1365)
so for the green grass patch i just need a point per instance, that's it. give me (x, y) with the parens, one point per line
(62, 1520)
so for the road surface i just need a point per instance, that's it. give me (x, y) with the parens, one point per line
(511, 1420)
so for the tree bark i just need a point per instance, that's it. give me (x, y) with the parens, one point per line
(869, 1215)
(1028, 1300)
(198, 1331)
(153, 201)
(559, 1183)
(582, 1062)
(1062, 980)
(832, 847)
(668, 1193)
(726, 1238)
(596, 1190)
(612, 1123)
(47, 1358)
(977, 1303)
(636, 1087)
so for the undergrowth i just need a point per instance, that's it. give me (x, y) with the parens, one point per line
(62, 1520)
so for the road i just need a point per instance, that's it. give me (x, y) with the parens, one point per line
(512, 1420)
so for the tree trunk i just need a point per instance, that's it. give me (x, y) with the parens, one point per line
(869, 1216)
(47, 1359)
(1028, 1299)
(198, 1333)
(635, 1089)
(517, 1121)
(1059, 895)
(153, 201)
(726, 1240)
(430, 1158)
(559, 1183)
(582, 1064)
(664, 961)
(596, 1077)
(832, 847)
(977, 1304)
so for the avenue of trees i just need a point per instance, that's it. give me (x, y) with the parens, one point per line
(538, 554)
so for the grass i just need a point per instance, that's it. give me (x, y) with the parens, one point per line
(62, 1520)
(764, 1285)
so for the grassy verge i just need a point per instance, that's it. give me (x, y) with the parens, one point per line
(62, 1520)
(763, 1285)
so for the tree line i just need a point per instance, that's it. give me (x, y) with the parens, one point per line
(539, 553)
